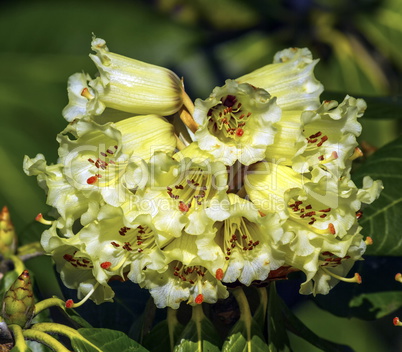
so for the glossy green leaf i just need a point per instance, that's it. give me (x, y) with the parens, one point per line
(238, 341)
(246, 335)
(105, 340)
(378, 304)
(199, 335)
(296, 326)
(6, 281)
(158, 340)
(381, 219)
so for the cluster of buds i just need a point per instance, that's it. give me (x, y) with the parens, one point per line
(262, 184)
(18, 302)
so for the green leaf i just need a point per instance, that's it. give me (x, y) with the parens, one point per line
(378, 304)
(199, 334)
(381, 219)
(246, 335)
(296, 326)
(277, 335)
(105, 340)
(238, 341)
(158, 338)
(7, 280)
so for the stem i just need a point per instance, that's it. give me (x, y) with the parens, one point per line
(179, 144)
(188, 103)
(236, 178)
(30, 250)
(45, 339)
(263, 295)
(47, 303)
(19, 266)
(172, 322)
(197, 316)
(19, 340)
(55, 328)
(245, 313)
(188, 120)
(242, 192)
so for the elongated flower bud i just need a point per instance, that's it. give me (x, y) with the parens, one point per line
(8, 239)
(18, 302)
(290, 78)
(134, 86)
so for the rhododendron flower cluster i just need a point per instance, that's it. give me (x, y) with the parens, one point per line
(186, 199)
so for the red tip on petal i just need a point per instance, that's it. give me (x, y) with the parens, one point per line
(358, 278)
(397, 322)
(69, 303)
(106, 265)
(199, 299)
(84, 92)
(219, 274)
(368, 241)
(39, 217)
(398, 277)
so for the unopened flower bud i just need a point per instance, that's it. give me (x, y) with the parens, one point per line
(8, 238)
(134, 86)
(18, 302)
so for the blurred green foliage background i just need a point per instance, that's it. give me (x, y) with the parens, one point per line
(204, 41)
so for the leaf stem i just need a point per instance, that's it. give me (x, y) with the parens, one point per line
(45, 339)
(188, 120)
(19, 341)
(19, 266)
(179, 144)
(186, 113)
(49, 302)
(197, 317)
(188, 103)
(263, 295)
(55, 328)
(172, 322)
(245, 313)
